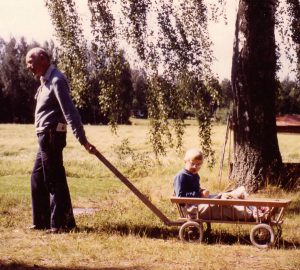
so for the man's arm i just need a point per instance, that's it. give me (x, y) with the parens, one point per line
(71, 114)
(61, 91)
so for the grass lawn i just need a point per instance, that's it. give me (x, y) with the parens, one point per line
(120, 232)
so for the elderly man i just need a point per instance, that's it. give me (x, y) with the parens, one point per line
(51, 202)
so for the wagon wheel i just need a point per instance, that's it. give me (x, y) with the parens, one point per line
(262, 236)
(191, 231)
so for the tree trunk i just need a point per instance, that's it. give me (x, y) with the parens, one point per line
(257, 158)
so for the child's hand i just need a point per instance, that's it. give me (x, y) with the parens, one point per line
(204, 193)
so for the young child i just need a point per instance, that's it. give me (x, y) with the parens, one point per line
(187, 184)
(187, 181)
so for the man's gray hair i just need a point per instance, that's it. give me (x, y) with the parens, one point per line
(38, 51)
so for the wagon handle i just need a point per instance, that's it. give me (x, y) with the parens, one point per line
(125, 181)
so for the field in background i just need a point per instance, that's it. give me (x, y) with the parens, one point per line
(121, 233)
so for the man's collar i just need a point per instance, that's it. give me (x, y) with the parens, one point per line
(47, 75)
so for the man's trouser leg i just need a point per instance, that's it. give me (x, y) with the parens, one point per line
(51, 147)
(40, 195)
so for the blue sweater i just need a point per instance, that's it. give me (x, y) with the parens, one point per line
(54, 105)
(187, 184)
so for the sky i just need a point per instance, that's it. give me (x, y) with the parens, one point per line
(30, 18)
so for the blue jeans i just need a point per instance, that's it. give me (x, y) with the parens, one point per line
(51, 201)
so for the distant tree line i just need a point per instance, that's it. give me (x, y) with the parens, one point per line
(18, 87)
(16, 84)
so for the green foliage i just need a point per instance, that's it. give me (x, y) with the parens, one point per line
(174, 50)
(115, 84)
(140, 87)
(224, 109)
(171, 44)
(73, 59)
(135, 13)
(288, 24)
(288, 97)
(158, 100)
(17, 86)
(226, 93)
(294, 16)
(103, 28)
(175, 56)
(115, 98)
(133, 162)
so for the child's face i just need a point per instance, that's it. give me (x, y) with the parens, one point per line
(193, 166)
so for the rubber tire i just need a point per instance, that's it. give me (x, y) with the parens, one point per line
(193, 224)
(269, 241)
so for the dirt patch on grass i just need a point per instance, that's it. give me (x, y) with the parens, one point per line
(84, 211)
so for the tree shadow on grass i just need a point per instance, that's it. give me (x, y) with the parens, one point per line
(244, 239)
(290, 176)
(294, 207)
(137, 230)
(22, 266)
(214, 237)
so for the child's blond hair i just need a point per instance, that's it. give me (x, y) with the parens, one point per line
(193, 154)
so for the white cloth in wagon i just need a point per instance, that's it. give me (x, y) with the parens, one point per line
(234, 212)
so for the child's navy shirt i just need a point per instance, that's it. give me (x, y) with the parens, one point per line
(187, 184)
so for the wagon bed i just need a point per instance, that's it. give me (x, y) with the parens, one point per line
(264, 222)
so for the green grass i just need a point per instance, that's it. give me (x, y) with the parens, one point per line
(122, 233)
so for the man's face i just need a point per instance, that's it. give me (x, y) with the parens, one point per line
(193, 166)
(34, 64)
